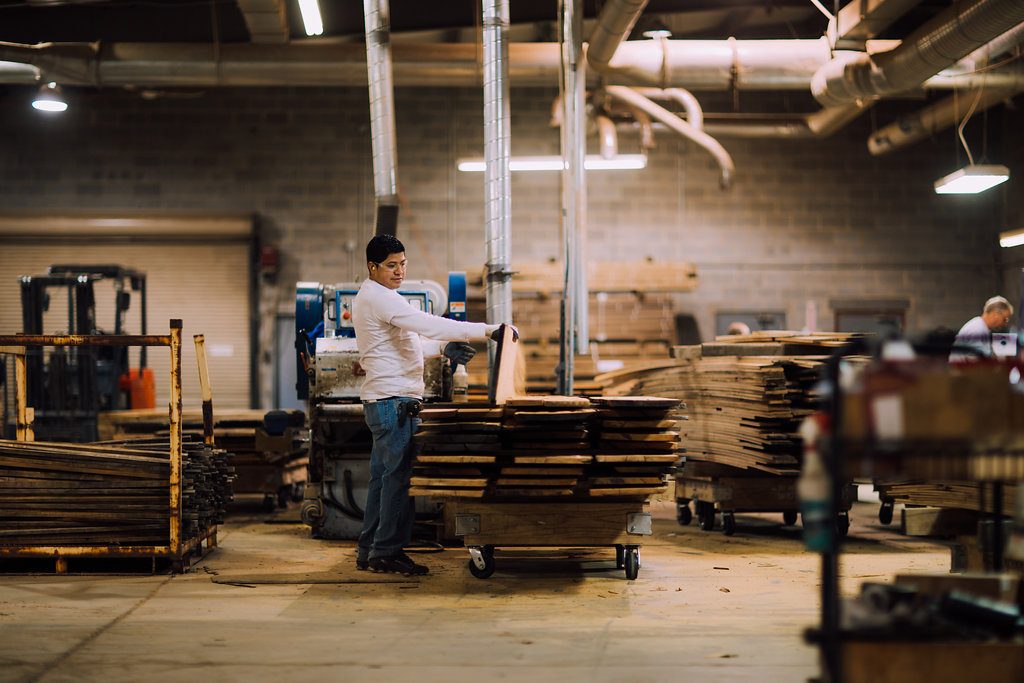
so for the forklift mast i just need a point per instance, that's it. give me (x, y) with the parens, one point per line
(69, 386)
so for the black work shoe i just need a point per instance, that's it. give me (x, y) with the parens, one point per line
(398, 564)
(362, 565)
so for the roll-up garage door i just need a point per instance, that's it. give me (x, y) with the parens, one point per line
(197, 269)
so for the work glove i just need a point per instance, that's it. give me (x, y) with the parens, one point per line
(497, 332)
(459, 353)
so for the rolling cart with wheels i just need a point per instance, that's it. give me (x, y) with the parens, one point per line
(715, 489)
(486, 525)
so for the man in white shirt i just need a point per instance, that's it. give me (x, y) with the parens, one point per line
(977, 332)
(393, 337)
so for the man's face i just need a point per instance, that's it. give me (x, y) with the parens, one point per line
(998, 320)
(390, 272)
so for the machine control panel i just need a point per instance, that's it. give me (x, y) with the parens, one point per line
(341, 315)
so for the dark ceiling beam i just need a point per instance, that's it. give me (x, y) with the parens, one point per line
(267, 20)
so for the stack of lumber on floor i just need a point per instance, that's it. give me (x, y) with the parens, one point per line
(263, 463)
(542, 447)
(949, 494)
(109, 493)
(741, 410)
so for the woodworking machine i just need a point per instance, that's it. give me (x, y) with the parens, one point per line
(329, 378)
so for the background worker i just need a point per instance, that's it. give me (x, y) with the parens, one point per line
(977, 332)
(393, 338)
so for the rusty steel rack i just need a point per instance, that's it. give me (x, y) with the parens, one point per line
(178, 551)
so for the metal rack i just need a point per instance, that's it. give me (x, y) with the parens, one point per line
(918, 459)
(177, 550)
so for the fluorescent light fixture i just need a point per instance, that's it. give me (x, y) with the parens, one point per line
(972, 179)
(49, 99)
(311, 19)
(622, 162)
(1011, 238)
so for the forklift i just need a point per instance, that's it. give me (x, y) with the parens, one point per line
(70, 386)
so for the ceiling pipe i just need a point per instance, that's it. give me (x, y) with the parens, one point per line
(817, 125)
(697, 65)
(662, 115)
(607, 136)
(694, 113)
(612, 27)
(929, 120)
(938, 45)
(497, 155)
(382, 115)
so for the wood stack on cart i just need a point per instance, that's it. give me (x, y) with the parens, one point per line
(547, 447)
(744, 398)
(534, 471)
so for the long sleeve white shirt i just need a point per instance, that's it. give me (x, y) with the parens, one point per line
(393, 338)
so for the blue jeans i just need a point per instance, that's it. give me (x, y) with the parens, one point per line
(390, 512)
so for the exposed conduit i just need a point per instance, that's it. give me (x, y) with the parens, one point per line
(694, 113)
(937, 45)
(662, 115)
(382, 115)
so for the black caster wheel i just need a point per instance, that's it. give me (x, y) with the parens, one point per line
(683, 513)
(487, 570)
(620, 557)
(283, 496)
(706, 516)
(632, 563)
(843, 524)
(885, 512)
(789, 517)
(728, 523)
(269, 502)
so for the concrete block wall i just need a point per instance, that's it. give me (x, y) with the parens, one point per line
(806, 220)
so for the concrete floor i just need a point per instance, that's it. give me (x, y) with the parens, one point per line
(705, 607)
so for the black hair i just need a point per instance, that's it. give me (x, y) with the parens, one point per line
(382, 246)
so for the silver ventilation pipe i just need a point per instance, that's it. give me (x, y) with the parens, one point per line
(614, 23)
(497, 151)
(662, 115)
(940, 43)
(929, 120)
(382, 115)
(575, 333)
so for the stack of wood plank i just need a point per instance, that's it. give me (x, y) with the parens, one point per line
(263, 463)
(457, 448)
(548, 446)
(637, 441)
(742, 410)
(540, 447)
(106, 494)
(949, 494)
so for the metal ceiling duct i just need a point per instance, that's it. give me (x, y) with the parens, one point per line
(697, 65)
(382, 115)
(497, 153)
(927, 121)
(940, 43)
(612, 27)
